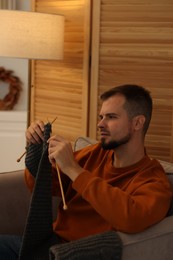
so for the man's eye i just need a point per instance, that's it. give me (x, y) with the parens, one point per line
(112, 116)
(108, 117)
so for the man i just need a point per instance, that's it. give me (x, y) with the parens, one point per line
(112, 185)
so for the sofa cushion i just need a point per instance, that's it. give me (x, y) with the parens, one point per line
(82, 142)
(167, 166)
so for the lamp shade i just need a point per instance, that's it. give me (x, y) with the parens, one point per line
(31, 35)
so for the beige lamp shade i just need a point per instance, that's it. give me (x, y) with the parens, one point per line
(31, 35)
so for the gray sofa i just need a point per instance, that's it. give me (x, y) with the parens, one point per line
(154, 243)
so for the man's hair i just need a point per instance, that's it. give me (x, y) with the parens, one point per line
(138, 101)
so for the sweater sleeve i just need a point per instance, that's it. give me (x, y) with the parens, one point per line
(143, 204)
(29, 179)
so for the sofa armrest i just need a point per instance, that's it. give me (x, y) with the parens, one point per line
(154, 243)
(14, 202)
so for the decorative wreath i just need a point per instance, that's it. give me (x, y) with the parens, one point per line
(15, 87)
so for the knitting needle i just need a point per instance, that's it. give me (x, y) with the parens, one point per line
(18, 160)
(60, 182)
(54, 120)
(61, 187)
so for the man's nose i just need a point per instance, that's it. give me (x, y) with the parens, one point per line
(101, 123)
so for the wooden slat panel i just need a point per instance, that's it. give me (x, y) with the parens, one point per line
(136, 46)
(60, 88)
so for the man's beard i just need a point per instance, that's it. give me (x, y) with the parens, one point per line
(114, 144)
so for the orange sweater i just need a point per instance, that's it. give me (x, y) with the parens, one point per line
(103, 197)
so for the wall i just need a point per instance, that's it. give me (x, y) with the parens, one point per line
(13, 123)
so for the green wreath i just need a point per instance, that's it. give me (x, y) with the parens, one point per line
(15, 87)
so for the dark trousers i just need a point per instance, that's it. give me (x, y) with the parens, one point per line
(10, 247)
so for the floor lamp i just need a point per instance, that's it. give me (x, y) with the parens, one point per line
(31, 35)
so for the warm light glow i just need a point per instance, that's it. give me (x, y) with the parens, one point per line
(31, 35)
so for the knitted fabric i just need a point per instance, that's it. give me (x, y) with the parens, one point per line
(104, 246)
(38, 235)
(35, 152)
(33, 157)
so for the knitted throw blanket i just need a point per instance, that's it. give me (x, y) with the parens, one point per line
(104, 246)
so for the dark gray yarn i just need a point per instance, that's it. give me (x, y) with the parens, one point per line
(35, 152)
(33, 157)
(38, 235)
(104, 246)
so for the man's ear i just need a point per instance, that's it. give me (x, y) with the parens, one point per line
(138, 122)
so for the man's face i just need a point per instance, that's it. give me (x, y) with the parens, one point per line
(115, 126)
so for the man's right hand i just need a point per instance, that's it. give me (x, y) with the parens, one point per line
(35, 132)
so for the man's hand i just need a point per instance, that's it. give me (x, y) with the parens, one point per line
(35, 132)
(61, 153)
